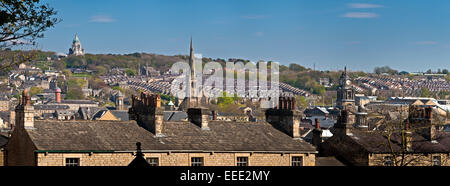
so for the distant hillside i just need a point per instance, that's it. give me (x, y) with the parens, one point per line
(294, 74)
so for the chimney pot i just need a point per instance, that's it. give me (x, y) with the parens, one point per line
(58, 95)
(317, 123)
(214, 113)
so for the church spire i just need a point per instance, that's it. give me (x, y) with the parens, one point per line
(192, 45)
(191, 58)
(344, 74)
(191, 55)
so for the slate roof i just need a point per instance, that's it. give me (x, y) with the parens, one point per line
(325, 123)
(99, 114)
(51, 107)
(3, 140)
(175, 116)
(53, 102)
(78, 102)
(88, 113)
(377, 143)
(4, 115)
(179, 136)
(328, 161)
(119, 114)
(122, 115)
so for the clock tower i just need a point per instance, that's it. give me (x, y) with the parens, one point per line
(345, 92)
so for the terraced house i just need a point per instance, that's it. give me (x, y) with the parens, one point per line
(197, 142)
(420, 140)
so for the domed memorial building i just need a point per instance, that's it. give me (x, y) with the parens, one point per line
(76, 49)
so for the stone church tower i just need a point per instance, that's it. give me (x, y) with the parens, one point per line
(119, 102)
(345, 92)
(193, 99)
(76, 49)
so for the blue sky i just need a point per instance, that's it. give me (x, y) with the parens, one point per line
(412, 35)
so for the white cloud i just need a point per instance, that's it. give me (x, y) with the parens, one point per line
(102, 19)
(426, 43)
(364, 5)
(360, 15)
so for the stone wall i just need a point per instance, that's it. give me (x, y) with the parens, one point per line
(173, 159)
(412, 159)
(148, 113)
(2, 157)
(386, 108)
(20, 149)
(287, 121)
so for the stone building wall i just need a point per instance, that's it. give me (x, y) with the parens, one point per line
(414, 159)
(20, 150)
(173, 159)
(2, 157)
(386, 108)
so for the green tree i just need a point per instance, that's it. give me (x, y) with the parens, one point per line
(118, 88)
(225, 99)
(75, 61)
(97, 83)
(67, 73)
(74, 93)
(225, 102)
(76, 82)
(22, 21)
(130, 72)
(9, 59)
(385, 69)
(319, 89)
(35, 90)
(167, 97)
(296, 67)
(59, 65)
(302, 103)
(101, 70)
(425, 92)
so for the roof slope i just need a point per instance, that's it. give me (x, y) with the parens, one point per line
(378, 143)
(180, 136)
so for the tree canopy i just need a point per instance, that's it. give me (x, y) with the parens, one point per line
(385, 69)
(22, 21)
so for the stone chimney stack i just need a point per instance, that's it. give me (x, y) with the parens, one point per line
(214, 115)
(199, 116)
(58, 95)
(317, 122)
(25, 113)
(317, 134)
(285, 117)
(148, 113)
